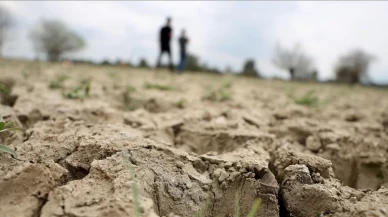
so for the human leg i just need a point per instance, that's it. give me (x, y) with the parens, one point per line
(170, 60)
(159, 59)
(182, 63)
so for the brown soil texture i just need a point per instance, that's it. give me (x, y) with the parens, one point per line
(175, 151)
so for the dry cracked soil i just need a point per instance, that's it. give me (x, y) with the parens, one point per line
(162, 144)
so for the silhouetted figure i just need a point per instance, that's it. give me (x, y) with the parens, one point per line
(165, 36)
(292, 72)
(183, 40)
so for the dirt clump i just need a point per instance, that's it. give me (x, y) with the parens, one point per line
(24, 190)
(308, 188)
(219, 133)
(41, 104)
(358, 151)
(161, 127)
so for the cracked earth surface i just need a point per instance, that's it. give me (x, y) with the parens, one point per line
(189, 155)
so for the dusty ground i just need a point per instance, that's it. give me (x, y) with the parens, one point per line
(193, 152)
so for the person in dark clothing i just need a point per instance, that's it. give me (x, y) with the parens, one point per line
(165, 36)
(183, 40)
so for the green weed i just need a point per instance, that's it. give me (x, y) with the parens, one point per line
(220, 94)
(58, 82)
(128, 101)
(5, 127)
(148, 85)
(309, 99)
(25, 74)
(4, 90)
(135, 189)
(181, 103)
(79, 92)
(114, 75)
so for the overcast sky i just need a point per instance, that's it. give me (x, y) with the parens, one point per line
(222, 33)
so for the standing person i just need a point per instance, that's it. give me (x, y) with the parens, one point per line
(183, 40)
(165, 37)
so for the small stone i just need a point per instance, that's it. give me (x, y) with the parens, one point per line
(227, 165)
(224, 185)
(333, 147)
(179, 164)
(212, 153)
(313, 143)
(217, 172)
(224, 175)
(189, 185)
(233, 175)
(231, 169)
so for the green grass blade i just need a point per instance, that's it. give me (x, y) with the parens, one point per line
(7, 150)
(202, 211)
(134, 186)
(255, 208)
(10, 129)
(236, 205)
(2, 123)
(8, 125)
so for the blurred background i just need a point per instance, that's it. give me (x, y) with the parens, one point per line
(328, 41)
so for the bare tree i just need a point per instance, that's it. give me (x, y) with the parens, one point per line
(352, 67)
(5, 24)
(295, 61)
(143, 63)
(54, 38)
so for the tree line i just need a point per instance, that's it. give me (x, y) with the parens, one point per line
(54, 38)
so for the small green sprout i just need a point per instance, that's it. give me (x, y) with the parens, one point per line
(220, 94)
(58, 82)
(148, 85)
(80, 92)
(309, 99)
(4, 127)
